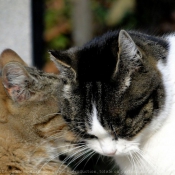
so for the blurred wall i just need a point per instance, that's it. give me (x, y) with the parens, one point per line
(81, 22)
(15, 27)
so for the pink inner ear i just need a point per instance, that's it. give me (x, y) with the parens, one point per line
(17, 93)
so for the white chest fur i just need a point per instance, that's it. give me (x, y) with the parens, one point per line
(157, 141)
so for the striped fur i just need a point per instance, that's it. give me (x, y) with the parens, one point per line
(32, 132)
(118, 94)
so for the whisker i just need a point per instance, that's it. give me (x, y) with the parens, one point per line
(72, 155)
(50, 138)
(147, 162)
(129, 158)
(78, 163)
(54, 158)
(74, 158)
(140, 163)
(98, 158)
(90, 157)
(45, 141)
(35, 150)
(134, 165)
(150, 159)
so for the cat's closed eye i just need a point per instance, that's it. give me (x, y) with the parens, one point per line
(89, 136)
(120, 97)
(93, 137)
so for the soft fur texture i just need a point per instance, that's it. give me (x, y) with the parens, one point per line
(119, 96)
(32, 132)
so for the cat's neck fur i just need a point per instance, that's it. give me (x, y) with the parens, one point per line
(134, 99)
(157, 145)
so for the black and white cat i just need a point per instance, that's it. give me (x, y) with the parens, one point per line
(118, 96)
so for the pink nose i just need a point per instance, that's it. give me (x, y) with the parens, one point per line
(112, 153)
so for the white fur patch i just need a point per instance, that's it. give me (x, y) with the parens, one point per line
(106, 144)
(66, 91)
(97, 129)
(151, 152)
(156, 140)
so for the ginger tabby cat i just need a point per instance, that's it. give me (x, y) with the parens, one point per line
(32, 133)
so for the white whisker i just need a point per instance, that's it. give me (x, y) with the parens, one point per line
(84, 152)
(55, 157)
(134, 163)
(91, 152)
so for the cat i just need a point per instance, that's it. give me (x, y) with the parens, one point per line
(32, 132)
(118, 95)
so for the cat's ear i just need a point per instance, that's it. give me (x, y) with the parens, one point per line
(65, 64)
(127, 47)
(128, 53)
(9, 55)
(16, 81)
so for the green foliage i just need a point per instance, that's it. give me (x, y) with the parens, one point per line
(57, 25)
(57, 19)
(100, 10)
(60, 42)
(50, 18)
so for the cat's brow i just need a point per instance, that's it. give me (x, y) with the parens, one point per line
(96, 129)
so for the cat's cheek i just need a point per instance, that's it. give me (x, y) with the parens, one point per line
(125, 147)
(122, 146)
(107, 149)
(95, 146)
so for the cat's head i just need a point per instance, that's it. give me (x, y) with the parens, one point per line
(29, 100)
(32, 131)
(111, 90)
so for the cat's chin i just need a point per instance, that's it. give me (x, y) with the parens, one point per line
(120, 147)
(117, 154)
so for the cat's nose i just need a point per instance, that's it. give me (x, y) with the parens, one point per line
(109, 152)
(108, 146)
(112, 153)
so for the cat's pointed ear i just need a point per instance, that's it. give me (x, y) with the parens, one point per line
(9, 55)
(129, 54)
(16, 80)
(127, 47)
(65, 64)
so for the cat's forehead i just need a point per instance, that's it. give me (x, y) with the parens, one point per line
(95, 88)
(96, 128)
(40, 74)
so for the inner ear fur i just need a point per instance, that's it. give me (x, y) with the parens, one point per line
(129, 54)
(16, 80)
(64, 64)
(9, 55)
(127, 46)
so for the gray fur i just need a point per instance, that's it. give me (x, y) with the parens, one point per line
(23, 82)
(118, 72)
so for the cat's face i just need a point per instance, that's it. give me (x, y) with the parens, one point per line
(29, 99)
(111, 90)
(32, 132)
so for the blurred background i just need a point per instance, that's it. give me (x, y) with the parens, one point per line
(73, 22)
(32, 27)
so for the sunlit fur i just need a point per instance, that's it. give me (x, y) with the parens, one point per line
(119, 95)
(156, 142)
(32, 131)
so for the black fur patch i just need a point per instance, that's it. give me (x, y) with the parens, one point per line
(128, 92)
